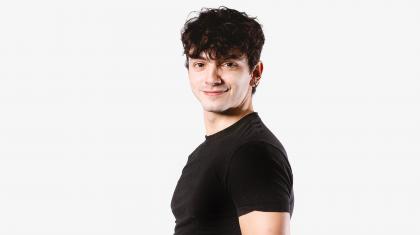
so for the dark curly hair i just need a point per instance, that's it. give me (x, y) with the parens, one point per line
(223, 33)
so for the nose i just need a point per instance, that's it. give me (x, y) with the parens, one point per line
(212, 75)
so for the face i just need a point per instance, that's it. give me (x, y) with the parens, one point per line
(220, 85)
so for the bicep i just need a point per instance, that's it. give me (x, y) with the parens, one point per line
(260, 179)
(265, 223)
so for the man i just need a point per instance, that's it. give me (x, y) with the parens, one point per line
(238, 180)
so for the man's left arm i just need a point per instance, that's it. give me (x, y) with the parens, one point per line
(265, 223)
(260, 183)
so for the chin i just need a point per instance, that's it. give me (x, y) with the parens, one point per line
(213, 108)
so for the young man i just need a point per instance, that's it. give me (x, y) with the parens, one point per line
(238, 180)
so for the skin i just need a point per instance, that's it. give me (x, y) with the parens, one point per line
(265, 223)
(234, 77)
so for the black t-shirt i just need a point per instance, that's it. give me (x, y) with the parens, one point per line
(239, 169)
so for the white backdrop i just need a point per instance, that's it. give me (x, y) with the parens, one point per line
(97, 117)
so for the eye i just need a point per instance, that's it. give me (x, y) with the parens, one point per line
(198, 64)
(230, 64)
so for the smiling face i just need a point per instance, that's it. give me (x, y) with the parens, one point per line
(220, 85)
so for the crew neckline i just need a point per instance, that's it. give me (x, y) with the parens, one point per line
(228, 129)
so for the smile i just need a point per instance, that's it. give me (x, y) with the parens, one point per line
(214, 93)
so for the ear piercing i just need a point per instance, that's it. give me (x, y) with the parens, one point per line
(255, 83)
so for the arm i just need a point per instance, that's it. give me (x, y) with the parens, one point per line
(265, 223)
(260, 183)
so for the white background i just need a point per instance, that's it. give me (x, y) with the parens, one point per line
(97, 117)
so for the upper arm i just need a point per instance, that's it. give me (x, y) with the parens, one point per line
(260, 183)
(265, 223)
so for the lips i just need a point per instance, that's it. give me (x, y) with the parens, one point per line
(214, 93)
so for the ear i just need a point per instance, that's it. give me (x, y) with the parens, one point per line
(256, 74)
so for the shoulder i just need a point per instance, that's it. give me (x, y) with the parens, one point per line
(258, 157)
(258, 150)
(259, 177)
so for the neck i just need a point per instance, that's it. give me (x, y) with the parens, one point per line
(217, 121)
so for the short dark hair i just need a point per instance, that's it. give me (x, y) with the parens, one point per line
(223, 33)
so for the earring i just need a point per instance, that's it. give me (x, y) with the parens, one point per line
(255, 83)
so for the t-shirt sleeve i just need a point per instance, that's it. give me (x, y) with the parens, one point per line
(259, 177)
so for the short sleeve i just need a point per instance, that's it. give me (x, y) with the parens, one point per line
(259, 177)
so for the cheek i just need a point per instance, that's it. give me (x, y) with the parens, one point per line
(242, 83)
(194, 81)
